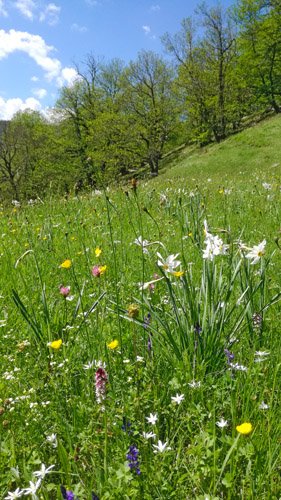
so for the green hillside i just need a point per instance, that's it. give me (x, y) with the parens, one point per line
(254, 152)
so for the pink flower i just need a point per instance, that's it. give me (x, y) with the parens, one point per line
(98, 271)
(64, 290)
(100, 384)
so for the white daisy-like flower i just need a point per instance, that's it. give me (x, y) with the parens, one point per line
(256, 252)
(170, 263)
(178, 398)
(152, 419)
(260, 354)
(267, 186)
(160, 447)
(222, 423)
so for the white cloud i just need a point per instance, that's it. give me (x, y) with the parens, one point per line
(34, 78)
(146, 29)
(67, 77)
(50, 14)
(78, 28)
(26, 8)
(155, 8)
(3, 11)
(9, 107)
(40, 93)
(36, 47)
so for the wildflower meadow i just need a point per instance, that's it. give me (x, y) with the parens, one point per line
(140, 341)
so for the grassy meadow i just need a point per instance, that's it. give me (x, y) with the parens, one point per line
(140, 333)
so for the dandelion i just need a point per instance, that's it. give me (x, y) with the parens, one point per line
(178, 398)
(245, 428)
(256, 252)
(56, 344)
(66, 264)
(160, 447)
(133, 461)
(98, 271)
(101, 379)
(152, 419)
(113, 344)
(98, 251)
(64, 290)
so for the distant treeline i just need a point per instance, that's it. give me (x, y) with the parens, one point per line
(223, 69)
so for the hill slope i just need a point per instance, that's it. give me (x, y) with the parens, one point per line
(255, 151)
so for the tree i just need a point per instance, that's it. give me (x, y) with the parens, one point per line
(260, 48)
(206, 63)
(149, 102)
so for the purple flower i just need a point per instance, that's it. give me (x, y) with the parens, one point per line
(229, 355)
(126, 426)
(67, 494)
(132, 457)
(64, 291)
(101, 379)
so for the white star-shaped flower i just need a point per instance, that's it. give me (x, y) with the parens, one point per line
(149, 435)
(160, 447)
(43, 471)
(12, 495)
(152, 419)
(222, 423)
(178, 398)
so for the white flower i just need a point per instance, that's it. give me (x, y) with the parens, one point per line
(256, 252)
(238, 367)
(178, 398)
(89, 365)
(214, 246)
(152, 419)
(52, 439)
(149, 435)
(139, 359)
(144, 286)
(43, 471)
(222, 423)
(263, 406)
(194, 385)
(170, 264)
(262, 353)
(160, 447)
(142, 243)
(33, 487)
(14, 494)
(267, 186)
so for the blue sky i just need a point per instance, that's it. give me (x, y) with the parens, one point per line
(41, 41)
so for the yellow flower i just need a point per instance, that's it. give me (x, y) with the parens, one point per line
(55, 344)
(178, 274)
(66, 264)
(245, 428)
(113, 344)
(102, 269)
(133, 311)
(97, 251)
